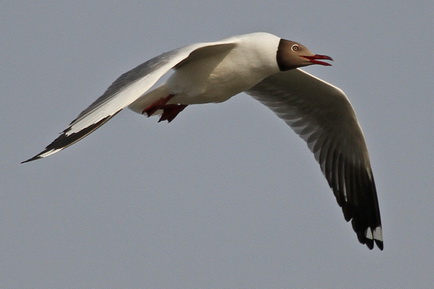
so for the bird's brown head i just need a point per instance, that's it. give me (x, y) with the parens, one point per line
(291, 55)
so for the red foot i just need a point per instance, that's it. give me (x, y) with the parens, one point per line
(170, 111)
(159, 104)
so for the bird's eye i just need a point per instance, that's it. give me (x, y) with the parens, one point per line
(295, 47)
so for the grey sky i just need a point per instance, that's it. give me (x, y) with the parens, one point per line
(225, 196)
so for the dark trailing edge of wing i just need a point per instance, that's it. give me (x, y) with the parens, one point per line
(64, 140)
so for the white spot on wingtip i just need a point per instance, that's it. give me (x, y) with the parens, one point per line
(49, 153)
(376, 234)
(368, 234)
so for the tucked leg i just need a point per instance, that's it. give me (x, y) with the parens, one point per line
(159, 104)
(170, 111)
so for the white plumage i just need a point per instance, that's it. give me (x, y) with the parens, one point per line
(266, 67)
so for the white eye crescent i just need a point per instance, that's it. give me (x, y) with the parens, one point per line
(295, 47)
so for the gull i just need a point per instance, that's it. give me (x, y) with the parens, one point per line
(266, 67)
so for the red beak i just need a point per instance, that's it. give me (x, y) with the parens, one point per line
(314, 59)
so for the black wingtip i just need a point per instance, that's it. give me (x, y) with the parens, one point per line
(379, 244)
(37, 157)
(370, 244)
(372, 241)
(67, 139)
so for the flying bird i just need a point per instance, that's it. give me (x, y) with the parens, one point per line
(267, 68)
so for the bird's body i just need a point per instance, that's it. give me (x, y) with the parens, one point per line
(264, 66)
(216, 73)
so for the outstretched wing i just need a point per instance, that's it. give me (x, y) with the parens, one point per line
(322, 115)
(124, 91)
